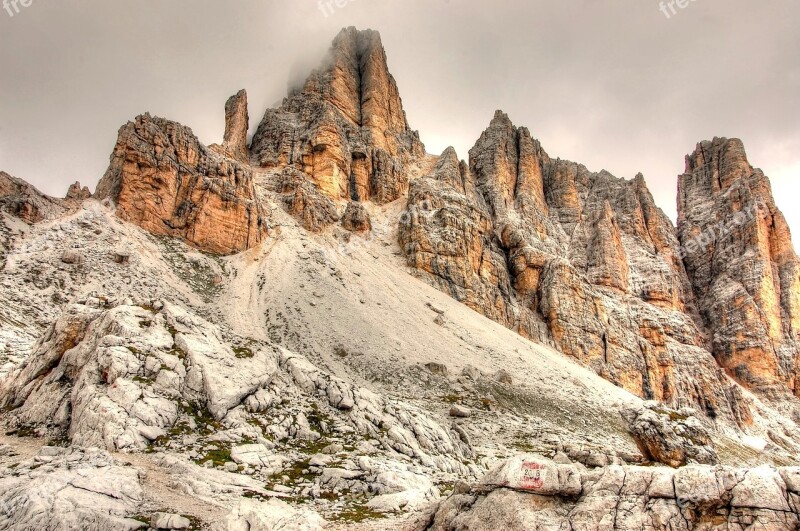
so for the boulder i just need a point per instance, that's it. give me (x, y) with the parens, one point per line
(356, 218)
(460, 412)
(530, 492)
(531, 473)
(169, 521)
(670, 437)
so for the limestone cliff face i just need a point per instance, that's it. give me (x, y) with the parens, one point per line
(164, 180)
(583, 261)
(449, 236)
(740, 259)
(23, 201)
(346, 128)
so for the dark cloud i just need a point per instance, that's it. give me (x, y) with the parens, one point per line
(613, 84)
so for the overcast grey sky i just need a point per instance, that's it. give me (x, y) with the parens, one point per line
(614, 84)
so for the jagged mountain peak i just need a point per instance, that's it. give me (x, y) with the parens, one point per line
(500, 118)
(449, 153)
(364, 41)
(720, 156)
(355, 80)
(346, 129)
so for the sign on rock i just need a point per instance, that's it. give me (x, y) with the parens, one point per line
(532, 476)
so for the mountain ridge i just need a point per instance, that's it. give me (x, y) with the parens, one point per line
(335, 262)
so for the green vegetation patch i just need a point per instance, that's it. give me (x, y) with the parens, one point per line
(243, 352)
(357, 514)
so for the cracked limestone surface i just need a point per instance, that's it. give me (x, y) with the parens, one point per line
(529, 492)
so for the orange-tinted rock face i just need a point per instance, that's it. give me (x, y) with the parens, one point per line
(303, 200)
(25, 202)
(237, 122)
(739, 256)
(162, 179)
(583, 261)
(346, 128)
(579, 260)
(448, 236)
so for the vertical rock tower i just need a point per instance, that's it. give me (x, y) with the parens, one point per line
(237, 122)
(346, 128)
(742, 265)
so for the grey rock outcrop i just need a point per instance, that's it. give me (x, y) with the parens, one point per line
(70, 488)
(23, 201)
(530, 492)
(356, 218)
(125, 377)
(673, 438)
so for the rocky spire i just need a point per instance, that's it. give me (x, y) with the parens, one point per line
(507, 160)
(453, 172)
(237, 122)
(739, 256)
(76, 192)
(359, 84)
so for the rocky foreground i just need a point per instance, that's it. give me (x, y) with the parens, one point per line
(329, 328)
(529, 492)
